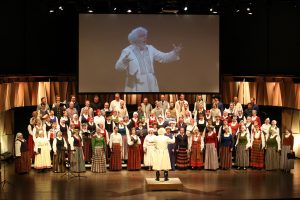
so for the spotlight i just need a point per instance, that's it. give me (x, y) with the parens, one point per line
(250, 13)
(115, 9)
(51, 11)
(90, 10)
(237, 10)
(129, 11)
(185, 8)
(248, 9)
(61, 8)
(214, 11)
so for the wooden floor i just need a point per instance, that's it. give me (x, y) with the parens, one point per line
(232, 184)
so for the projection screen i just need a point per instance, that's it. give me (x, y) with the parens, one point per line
(148, 53)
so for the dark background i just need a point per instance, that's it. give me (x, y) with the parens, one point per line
(36, 42)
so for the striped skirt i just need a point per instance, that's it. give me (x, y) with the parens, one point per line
(182, 161)
(196, 155)
(134, 158)
(242, 156)
(99, 160)
(124, 148)
(87, 149)
(211, 157)
(77, 160)
(225, 157)
(23, 163)
(257, 155)
(272, 158)
(59, 162)
(285, 163)
(115, 158)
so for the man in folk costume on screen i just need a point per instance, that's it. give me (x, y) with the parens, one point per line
(161, 155)
(138, 60)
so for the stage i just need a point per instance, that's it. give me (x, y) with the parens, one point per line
(232, 184)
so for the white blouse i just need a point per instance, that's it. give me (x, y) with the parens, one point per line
(115, 138)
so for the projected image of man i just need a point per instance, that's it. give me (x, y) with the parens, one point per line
(138, 61)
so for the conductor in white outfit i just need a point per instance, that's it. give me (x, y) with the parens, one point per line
(138, 61)
(161, 156)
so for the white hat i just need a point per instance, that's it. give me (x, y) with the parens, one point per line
(161, 131)
(168, 127)
(160, 116)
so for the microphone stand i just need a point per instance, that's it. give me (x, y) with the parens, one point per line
(78, 173)
(4, 181)
(68, 172)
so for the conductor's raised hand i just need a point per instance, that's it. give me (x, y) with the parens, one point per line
(177, 48)
(126, 59)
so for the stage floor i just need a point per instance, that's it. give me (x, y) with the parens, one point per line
(232, 184)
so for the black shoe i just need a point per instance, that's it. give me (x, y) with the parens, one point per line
(157, 176)
(166, 175)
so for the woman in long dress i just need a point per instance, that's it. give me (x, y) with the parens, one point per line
(242, 148)
(77, 157)
(98, 149)
(30, 142)
(196, 146)
(87, 142)
(287, 147)
(181, 147)
(257, 149)
(123, 130)
(141, 132)
(134, 156)
(23, 160)
(211, 156)
(42, 149)
(149, 148)
(273, 147)
(59, 150)
(115, 144)
(226, 147)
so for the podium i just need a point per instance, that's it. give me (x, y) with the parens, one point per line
(171, 184)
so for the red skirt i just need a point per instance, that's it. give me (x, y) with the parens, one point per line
(257, 155)
(134, 158)
(196, 155)
(30, 144)
(225, 157)
(23, 163)
(115, 158)
(87, 149)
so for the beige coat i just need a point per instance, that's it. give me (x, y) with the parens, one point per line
(161, 155)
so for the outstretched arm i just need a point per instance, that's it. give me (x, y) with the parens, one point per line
(166, 57)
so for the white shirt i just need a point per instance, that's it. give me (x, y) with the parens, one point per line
(115, 138)
(135, 137)
(115, 105)
(256, 135)
(99, 120)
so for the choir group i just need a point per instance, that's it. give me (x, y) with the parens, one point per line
(63, 135)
